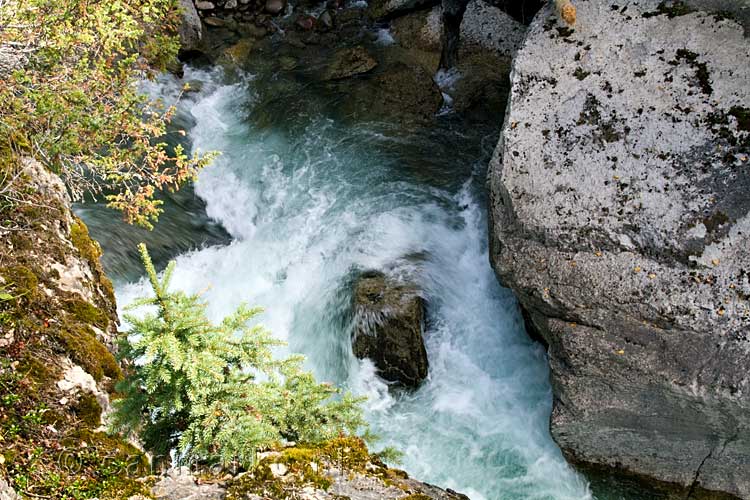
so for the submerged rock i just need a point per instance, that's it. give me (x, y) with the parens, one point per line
(401, 93)
(620, 216)
(305, 22)
(346, 63)
(237, 53)
(389, 322)
(484, 28)
(325, 21)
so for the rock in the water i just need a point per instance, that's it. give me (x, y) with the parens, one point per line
(216, 22)
(389, 324)
(481, 91)
(621, 219)
(305, 22)
(401, 92)
(387, 9)
(238, 53)
(190, 30)
(275, 6)
(346, 63)
(484, 28)
(479, 83)
(287, 63)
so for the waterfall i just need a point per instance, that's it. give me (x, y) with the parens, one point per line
(309, 202)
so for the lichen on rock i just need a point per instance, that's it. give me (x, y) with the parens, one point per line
(56, 371)
(620, 218)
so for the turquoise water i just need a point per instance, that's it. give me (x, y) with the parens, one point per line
(307, 201)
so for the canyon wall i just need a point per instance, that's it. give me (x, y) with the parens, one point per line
(620, 216)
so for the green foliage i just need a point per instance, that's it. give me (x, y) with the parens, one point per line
(215, 391)
(70, 99)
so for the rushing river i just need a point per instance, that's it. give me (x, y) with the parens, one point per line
(296, 205)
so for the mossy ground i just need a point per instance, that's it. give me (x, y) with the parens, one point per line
(49, 445)
(309, 465)
(306, 465)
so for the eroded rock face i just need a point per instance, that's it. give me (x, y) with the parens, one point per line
(399, 93)
(389, 321)
(386, 9)
(620, 216)
(54, 339)
(479, 82)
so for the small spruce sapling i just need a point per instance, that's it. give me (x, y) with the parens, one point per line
(215, 391)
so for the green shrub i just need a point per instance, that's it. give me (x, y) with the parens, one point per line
(69, 99)
(215, 391)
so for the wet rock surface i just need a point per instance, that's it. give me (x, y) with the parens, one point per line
(349, 62)
(484, 28)
(620, 217)
(402, 93)
(389, 320)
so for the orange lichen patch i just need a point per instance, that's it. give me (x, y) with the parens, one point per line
(568, 13)
(566, 10)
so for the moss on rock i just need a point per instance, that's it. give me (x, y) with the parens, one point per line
(49, 444)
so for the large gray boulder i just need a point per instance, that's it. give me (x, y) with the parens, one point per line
(484, 29)
(620, 216)
(191, 29)
(389, 319)
(399, 93)
(349, 62)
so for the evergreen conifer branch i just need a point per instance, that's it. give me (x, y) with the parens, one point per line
(215, 391)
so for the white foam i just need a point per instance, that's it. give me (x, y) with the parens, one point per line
(384, 37)
(305, 211)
